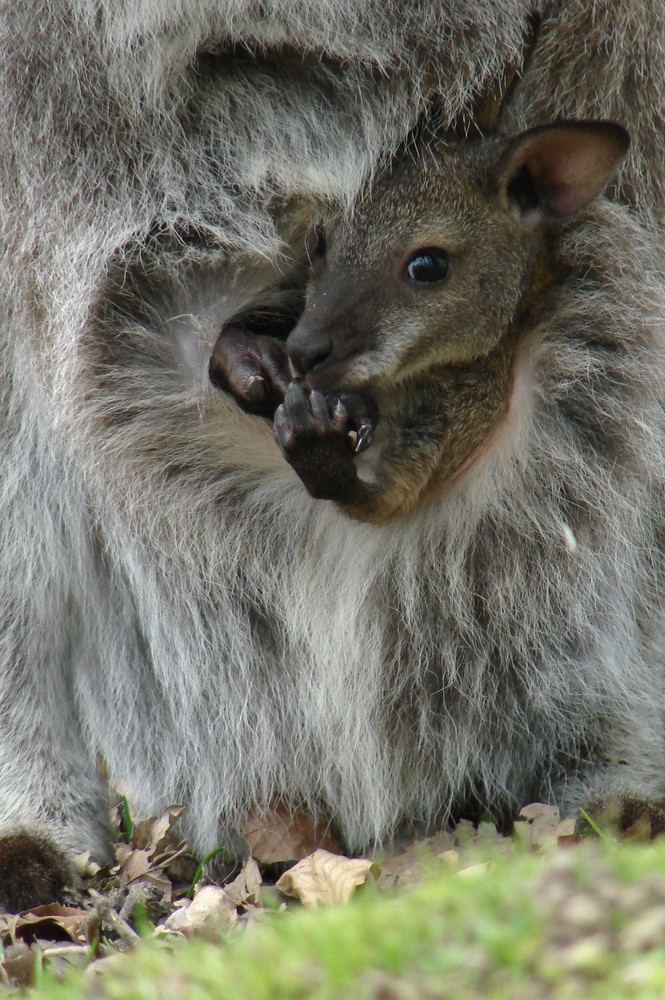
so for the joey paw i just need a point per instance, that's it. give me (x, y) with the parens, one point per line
(351, 411)
(254, 368)
(319, 437)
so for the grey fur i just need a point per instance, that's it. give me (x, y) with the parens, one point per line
(170, 597)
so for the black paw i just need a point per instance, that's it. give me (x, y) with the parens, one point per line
(254, 368)
(319, 437)
(33, 871)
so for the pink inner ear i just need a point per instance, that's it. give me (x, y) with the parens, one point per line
(571, 164)
(564, 199)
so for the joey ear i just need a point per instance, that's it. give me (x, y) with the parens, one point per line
(553, 171)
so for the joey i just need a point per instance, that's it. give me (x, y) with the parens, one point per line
(419, 305)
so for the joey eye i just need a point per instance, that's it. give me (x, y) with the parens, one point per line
(428, 266)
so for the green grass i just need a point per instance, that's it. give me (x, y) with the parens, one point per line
(585, 922)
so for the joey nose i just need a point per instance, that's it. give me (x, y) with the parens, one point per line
(308, 348)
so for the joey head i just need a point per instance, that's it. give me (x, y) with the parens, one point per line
(417, 307)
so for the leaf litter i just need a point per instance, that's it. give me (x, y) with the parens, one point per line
(156, 885)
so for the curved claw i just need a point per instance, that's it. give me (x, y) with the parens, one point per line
(364, 438)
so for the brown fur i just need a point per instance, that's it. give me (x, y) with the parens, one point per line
(33, 871)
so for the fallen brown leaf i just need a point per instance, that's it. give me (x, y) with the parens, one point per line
(136, 864)
(152, 835)
(210, 911)
(19, 962)
(409, 866)
(639, 829)
(157, 878)
(246, 887)
(569, 840)
(53, 922)
(279, 835)
(540, 826)
(326, 877)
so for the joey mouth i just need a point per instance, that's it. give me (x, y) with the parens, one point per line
(354, 372)
(336, 380)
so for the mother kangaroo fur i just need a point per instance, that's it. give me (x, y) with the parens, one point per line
(172, 602)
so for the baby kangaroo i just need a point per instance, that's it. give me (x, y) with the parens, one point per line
(418, 308)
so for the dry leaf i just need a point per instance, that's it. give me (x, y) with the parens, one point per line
(474, 871)
(639, 829)
(245, 888)
(449, 858)
(279, 835)
(540, 825)
(136, 865)
(487, 836)
(569, 840)
(465, 833)
(53, 922)
(326, 877)
(147, 863)
(539, 811)
(157, 878)
(122, 852)
(210, 911)
(409, 866)
(152, 835)
(182, 867)
(566, 828)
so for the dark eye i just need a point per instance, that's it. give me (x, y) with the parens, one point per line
(428, 266)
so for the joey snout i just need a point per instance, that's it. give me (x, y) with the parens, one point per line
(308, 347)
(324, 344)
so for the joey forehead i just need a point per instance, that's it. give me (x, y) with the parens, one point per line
(436, 200)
